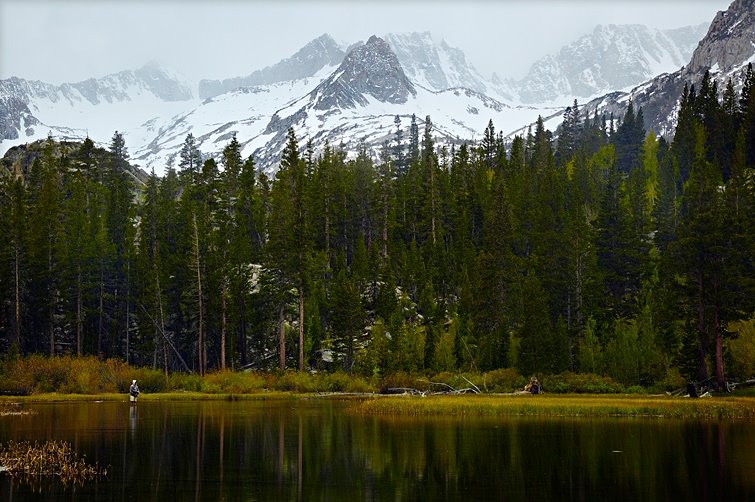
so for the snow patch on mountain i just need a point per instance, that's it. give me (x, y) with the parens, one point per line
(612, 57)
(125, 101)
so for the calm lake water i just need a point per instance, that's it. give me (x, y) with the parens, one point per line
(315, 450)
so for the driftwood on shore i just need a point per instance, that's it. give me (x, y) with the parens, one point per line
(705, 387)
(435, 389)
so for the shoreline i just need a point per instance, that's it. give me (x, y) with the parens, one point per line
(471, 405)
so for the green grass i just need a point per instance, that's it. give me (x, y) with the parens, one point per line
(551, 405)
(560, 405)
(56, 397)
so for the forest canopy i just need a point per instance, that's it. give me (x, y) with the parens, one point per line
(603, 249)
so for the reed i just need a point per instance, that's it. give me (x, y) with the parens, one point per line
(13, 409)
(53, 458)
(560, 406)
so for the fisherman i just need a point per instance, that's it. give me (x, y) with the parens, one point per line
(133, 392)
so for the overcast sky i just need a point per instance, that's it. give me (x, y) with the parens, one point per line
(67, 41)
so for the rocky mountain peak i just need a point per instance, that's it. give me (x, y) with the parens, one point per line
(162, 82)
(611, 57)
(730, 39)
(435, 65)
(370, 69)
(315, 55)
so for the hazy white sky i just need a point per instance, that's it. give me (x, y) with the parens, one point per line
(67, 41)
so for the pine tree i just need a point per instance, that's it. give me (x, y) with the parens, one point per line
(347, 316)
(190, 158)
(747, 114)
(288, 245)
(413, 140)
(398, 147)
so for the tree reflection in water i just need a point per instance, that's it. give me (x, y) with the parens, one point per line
(313, 450)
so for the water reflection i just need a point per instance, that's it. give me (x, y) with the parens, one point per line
(312, 450)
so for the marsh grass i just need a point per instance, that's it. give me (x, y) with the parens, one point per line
(13, 409)
(31, 461)
(561, 406)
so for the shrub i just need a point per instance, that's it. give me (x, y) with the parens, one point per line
(233, 382)
(580, 383)
(295, 381)
(741, 349)
(401, 380)
(148, 379)
(504, 380)
(186, 382)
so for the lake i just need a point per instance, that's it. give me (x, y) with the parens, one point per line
(316, 450)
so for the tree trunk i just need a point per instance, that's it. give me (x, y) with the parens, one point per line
(128, 299)
(720, 380)
(281, 338)
(384, 254)
(242, 334)
(102, 310)
(327, 229)
(164, 336)
(51, 306)
(201, 351)
(17, 327)
(702, 332)
(223, 316)
(78, 311)
(301, 327)
(719, 339)
(432, 202)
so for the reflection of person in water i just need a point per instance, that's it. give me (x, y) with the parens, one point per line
(132, 419)
(133, 391)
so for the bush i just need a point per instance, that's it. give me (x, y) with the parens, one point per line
(296, 381)
(401, 380)
(149, 380)
(740, 349)
(342, 382)
(673, 381)
(185, 382)
(233, 382)
(580, 383)
(504, 380)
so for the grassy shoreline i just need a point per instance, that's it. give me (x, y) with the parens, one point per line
(486, 405)
(582, 405)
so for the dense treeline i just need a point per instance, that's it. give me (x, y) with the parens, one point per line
(608, 251)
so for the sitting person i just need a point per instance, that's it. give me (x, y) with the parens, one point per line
(533, 387)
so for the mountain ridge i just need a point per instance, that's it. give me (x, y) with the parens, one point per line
(321, 52)
(352, 104)
(612, 57)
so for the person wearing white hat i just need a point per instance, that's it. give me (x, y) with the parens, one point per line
(133, 391)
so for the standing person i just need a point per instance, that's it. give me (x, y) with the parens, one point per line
(134, 391)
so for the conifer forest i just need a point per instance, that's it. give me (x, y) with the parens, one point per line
(600, 248)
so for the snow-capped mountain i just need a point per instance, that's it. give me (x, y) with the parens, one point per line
(350, 97)
(356, 104)
(726, 50)
(613, 57)
(434, 65)
(322, 52)
(31, 109)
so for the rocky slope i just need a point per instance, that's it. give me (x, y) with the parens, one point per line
(612, 57)
(320, 53)
(350, 98)
(355, 105)
(31, 109)
(726, 50)
(434, 65)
